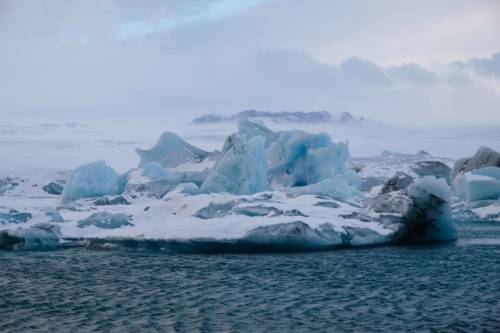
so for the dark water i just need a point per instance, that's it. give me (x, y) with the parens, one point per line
(453, 287)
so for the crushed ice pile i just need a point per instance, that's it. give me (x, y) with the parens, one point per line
(264, 190)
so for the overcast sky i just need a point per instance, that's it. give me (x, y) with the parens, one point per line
(411, 63)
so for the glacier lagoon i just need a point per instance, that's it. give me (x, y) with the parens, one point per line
(169, 254)
(446, 287)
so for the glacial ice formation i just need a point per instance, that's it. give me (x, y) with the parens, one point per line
(266, 190)
(250, 129)
(479, 184)
(170, 151)
(476, 181)
(430, 218)
(242, 168)
(297, 158)
(41, 236)
(152, 179)
(422, 208)
(90, 180)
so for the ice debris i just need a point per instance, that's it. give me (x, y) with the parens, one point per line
(14, 217)
(106, 220)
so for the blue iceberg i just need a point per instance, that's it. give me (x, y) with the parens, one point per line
(90, 180)
(242, 168)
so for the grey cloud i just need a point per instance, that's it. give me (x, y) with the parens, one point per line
(262, 58)
(489, 66)
(364, 72)
(412, 73)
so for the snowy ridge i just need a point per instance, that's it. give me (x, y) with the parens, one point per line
(283, 117)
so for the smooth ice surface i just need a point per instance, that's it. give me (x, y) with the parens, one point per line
(242, 168)
(479, 184)
(90, 180)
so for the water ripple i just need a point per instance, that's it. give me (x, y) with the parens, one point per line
(438, 288)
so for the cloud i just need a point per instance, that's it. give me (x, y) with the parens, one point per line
(412, 73)
(364, 72)
(64, 59)
(489, 66)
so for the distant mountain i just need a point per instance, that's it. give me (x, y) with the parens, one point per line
(282, 117)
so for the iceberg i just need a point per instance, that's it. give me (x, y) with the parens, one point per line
(429, 218)
(248, 129)
(171, 151)
(479, 184)
(337, 188)
(297, 158)
(41, 236)
(90, 180)
(242, 168)
(421, 211)
(292, 236)
(153, 180)
(154, 171)
(264, 191)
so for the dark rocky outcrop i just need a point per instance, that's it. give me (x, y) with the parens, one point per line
(398, 182)
(484, 157)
